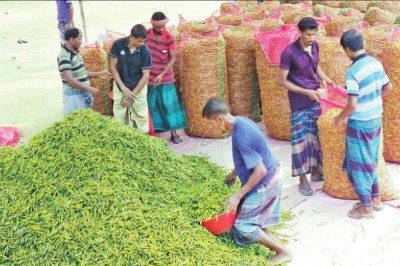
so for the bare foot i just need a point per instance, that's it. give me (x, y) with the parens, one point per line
(281, 257)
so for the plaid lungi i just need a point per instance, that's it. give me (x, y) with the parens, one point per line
(306, 149)
(258, 211)
(166, 111)
(361, 158)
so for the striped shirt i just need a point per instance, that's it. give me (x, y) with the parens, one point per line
(72, 60)
(365, 79)
(161, 55)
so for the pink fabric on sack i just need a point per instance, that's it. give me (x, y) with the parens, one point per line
(275, 41)
(335, 97)
(9, 136)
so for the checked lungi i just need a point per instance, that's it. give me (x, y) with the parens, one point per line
(258, 211)
(166, 111)
(306, 148)
(361, 158)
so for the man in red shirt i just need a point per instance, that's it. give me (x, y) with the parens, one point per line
(166, 111)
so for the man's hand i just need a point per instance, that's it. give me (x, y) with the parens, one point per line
(233, 201)
(327, 80)
(338, 121)
(230, 179)
(129, 95)
(105, 75)
(313, 95)
(158, 79)
(125, 102)
(93, 91)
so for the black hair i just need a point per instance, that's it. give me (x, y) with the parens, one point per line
(352, 39)
(158, 16)
(71, 33)
(213, 107)
(307, 23)
(139, 31)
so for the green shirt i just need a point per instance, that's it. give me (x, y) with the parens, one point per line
(72, 60)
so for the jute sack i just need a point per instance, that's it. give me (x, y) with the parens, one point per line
(96, 60)
(242, 73)
(203, 75)
(337, 183)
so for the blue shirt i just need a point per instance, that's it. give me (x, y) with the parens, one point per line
(365, 79)
(63, 10)
(302, 72)
(249, 148)
(130, 65)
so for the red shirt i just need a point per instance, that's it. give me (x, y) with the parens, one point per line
(161, 55)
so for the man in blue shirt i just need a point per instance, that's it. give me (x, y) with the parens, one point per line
(366, 84)
(257, 202)
(65, 16)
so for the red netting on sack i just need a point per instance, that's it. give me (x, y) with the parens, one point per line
(274, 98)
(376, 16)
(333, 60)
(242, 96)
(375, 39)
(361, 6)
(203, 75)
(337, 183)
(199, 27)
(391, 107)
(96, 60)
(111, 37)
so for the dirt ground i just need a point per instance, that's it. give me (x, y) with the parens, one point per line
(31, 99)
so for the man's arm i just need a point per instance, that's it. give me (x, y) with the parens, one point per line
(142, 81)
(323, 77)
(386, 89)
(113, 67)
(351, 106)
(102, 75)
(78, 85)
(283, 81)
(71, 14)
(170, 64)
(259, 171)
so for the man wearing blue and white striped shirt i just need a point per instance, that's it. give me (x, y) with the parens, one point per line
(366, 84)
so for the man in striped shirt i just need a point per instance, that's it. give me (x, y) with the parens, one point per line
(366, 84)
(166, 110)
(76, 84)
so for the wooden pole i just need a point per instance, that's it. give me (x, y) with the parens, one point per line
(83, 21)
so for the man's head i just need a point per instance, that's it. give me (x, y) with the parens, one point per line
(216, 111)
(352, 42)
(308, 28)
(158, 21)
(73, 36)
(138, 35)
